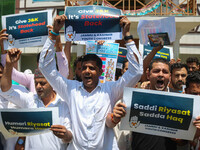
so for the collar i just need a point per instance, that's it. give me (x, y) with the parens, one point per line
(99, 85)
(54, 103)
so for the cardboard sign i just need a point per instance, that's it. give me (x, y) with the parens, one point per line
(87, 23)
(25, 122)
(160, 113)
(26, 30)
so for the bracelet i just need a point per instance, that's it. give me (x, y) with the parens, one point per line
(126, 38)
(113, 119)
(56, 34)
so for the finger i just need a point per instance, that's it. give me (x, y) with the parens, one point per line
(196, 121)
(118, 113)
(3, 30)
(58, 130)
(197, 118)
(3, 35)
(63, 17)
(119, 109)
(4, 38)
(121, 22)
(50, 27)
(13, 51)
(56, 133)
(57, 126)
(121, 105)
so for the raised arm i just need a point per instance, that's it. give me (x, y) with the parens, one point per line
(3, 36)
(67, 51)
(20, 97)
(135, 67)
(148, 59)
(20, 77)
(62, 60)
(12, 57)
(47, 63)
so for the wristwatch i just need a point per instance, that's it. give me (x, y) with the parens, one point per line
(126, 38)
(20, 141)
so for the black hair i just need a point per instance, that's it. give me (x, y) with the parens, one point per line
(193, 77)
(178, 65)
(157, 60)
(192, 59)
(124, 62)
(93, 57)
(78, 59)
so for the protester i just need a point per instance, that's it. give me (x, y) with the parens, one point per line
(179, 73)
(124, 137)
(90, 101)
(77, 68)
(124, 66)
(45, 97)
(148, 59)
(8, 144)
(193, 83)
(193, 87)
(27, 80)
(159, 76)
(193, 64)
(77, 64)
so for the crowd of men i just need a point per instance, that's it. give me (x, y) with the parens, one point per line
(88, 109)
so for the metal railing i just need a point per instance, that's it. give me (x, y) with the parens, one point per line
(144, 7)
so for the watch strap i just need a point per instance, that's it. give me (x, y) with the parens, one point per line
(126, 38)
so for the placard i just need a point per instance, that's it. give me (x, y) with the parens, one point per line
(26, 30)
(108, 53)
(26, 122)
(160, 113)
(87, 23)
(167, 24)
(121, 57)
(165, 53)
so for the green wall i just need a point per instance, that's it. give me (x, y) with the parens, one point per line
(6, 7)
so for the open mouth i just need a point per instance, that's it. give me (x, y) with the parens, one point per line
(88, 78)
(160, 84)
(39, 92)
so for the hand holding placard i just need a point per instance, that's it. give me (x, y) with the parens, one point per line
(59, 22)
(13, 56)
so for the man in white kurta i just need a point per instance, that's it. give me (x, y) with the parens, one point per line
(45, 97)
(90, 101)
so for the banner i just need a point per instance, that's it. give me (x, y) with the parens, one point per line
(160, 113)
(87, 23)
(156, 26)
(26, 122)
(26, 30)
(121, 56)
(108, 53)
(165, 52)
